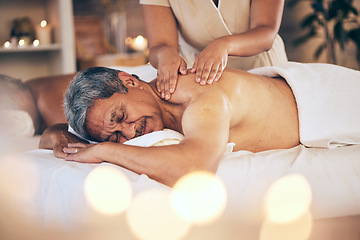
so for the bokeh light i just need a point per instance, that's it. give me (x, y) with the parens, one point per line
(7, 44)
(151, 217)
(299, 229)
(19, 179)
(199, 197)
(43, 23)
(287, 205)
(36, 43)
(107, 190)
(288, 198)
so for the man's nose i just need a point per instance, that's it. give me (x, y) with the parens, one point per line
(127, 130)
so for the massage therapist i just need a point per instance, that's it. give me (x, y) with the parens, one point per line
(207, 35)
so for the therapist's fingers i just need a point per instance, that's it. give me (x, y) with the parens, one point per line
(173, 78)
(206, 72)
(213, 73)
(219, 73)
(183, 67)
(170, 79)
(199, 71)
(160, 83)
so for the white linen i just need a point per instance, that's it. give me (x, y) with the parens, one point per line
(328, 101)
(50, 191)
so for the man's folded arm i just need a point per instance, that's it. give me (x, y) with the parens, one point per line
(56, 138)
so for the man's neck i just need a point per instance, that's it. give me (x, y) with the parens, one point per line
(171, 112)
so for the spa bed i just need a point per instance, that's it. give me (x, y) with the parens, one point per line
(43, 197)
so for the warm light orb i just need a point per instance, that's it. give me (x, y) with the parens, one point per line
(288, 198)
(19, 180)
(43, 23)
(7, 44)
(151, 217)
(139, 39)
(107, 190)
(36, 43)
(199, 197)
(299, 229)
(139, 43)
(21, 43)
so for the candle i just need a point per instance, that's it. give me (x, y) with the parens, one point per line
(36, 42)
(139, 43)
(7, 44)
(22, 43)
(44, 33)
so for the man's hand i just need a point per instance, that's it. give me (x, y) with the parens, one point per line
(56, 138)
(82, 152)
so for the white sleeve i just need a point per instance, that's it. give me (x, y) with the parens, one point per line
(164, 3)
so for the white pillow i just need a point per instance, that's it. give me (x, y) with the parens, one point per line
(16, 123)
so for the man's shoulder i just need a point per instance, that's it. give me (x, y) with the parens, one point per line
(186, 88)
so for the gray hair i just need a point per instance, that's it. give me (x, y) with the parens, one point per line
(87, 86)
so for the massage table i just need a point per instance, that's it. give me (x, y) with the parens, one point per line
(43, 197)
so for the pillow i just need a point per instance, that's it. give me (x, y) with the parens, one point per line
(16, 123)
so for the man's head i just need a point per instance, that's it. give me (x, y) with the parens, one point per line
(16, 95)
(109, 105)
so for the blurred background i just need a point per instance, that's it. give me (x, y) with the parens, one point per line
(84, 33)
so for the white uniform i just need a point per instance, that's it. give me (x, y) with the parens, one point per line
(201, 22)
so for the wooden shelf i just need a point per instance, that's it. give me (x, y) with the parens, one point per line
(59, 57)
(52, 47)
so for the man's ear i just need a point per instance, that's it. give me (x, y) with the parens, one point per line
(128, 80)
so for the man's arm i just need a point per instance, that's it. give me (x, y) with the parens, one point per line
(206, 127)
(57, 137)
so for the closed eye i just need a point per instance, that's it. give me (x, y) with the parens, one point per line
(116, 137)
(120, 118)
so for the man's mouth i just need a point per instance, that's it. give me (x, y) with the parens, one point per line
(142, 129)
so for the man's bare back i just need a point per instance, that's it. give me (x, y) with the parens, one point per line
(263, 110)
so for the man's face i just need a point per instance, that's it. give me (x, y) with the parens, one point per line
(124, 116)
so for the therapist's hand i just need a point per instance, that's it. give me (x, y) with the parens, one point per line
(170, 64)
(211, 62)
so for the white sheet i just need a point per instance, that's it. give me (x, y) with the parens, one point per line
(49, 192)
(334, 176)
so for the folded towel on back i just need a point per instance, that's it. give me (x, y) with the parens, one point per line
(328, 101)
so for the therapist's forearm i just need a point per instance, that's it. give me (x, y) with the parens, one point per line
(161, 53)
(257, 40)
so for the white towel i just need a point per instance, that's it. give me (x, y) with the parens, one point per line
(328, 101)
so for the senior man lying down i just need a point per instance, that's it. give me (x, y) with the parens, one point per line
(255, 112)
